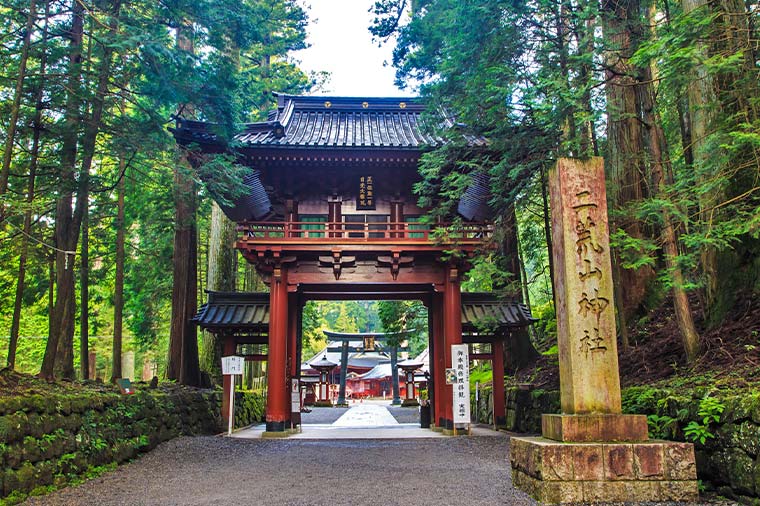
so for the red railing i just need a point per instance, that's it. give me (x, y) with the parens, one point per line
(301, 231)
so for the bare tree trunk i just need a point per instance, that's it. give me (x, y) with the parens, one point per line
(16, 106)
(51, 291)
(222, 269)
(84, 295)
(702, 103)
(34, 160)
(184, 294)
(61, 319)
(548, 230)
(67, 234)
(658, 146)
(118, 289)
(519, 350)
(569, 128)
(183, 365)
(627, 164)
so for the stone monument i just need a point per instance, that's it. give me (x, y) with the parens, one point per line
(128, 365)
(592, 452)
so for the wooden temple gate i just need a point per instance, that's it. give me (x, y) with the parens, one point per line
(331, 215)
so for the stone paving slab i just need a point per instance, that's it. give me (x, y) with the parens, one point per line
(366, 415)
(398, 431)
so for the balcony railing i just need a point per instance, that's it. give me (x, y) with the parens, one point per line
(368, 232)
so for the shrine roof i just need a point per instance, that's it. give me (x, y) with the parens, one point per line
(486, 307)
(314, 122)
(246, 311)
(235, 311)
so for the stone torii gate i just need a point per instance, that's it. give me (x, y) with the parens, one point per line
(368, 338)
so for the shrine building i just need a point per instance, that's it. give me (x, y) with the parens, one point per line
(330, 214)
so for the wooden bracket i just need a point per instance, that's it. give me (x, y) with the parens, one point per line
(338, 262)
(395, 261)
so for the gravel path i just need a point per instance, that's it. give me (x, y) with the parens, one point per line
(214, 470)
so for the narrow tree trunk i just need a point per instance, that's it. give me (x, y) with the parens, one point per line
(61, 318)
(16, 319)
(569, 128)
(16, 106)
(184, 277)
(520, 351)
(34, 160)
(222, 270)
(183, 365)
(118, 289)
(658, 146)
(626, 165)
(51, 292)
(702, 104)
(68, 233)
(548, 230)
(84, 295)
(190, 373)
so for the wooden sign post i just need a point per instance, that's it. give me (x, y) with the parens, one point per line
(232, 366)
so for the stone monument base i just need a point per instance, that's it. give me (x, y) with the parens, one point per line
(554, 472)
(595, 427)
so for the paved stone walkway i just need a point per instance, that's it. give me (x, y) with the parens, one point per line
(368, 420)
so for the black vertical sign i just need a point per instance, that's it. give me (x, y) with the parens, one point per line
(366, 199)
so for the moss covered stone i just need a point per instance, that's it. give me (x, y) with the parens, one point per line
(51, 439)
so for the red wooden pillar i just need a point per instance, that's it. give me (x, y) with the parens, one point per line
(439, 370)
(278, 412)
(229, 348)
(452, 332)
(499, 410)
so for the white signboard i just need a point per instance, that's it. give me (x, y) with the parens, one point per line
(295, 396)
(232, 365)
(460, 358)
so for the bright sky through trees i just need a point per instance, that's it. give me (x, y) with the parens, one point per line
(342, 45)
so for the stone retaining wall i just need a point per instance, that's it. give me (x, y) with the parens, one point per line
(50, 440)
(729, 461)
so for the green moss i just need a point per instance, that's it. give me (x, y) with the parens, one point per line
(13, 427)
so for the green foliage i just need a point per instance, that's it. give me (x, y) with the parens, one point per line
(709, 412)
(481, 374)
(238, 57)
(408, 316)
(661, 426)
(338, 316)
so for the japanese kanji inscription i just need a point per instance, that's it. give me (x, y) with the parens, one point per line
(585, 312)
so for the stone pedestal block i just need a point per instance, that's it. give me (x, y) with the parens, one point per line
(595, 427)
(554, 472)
